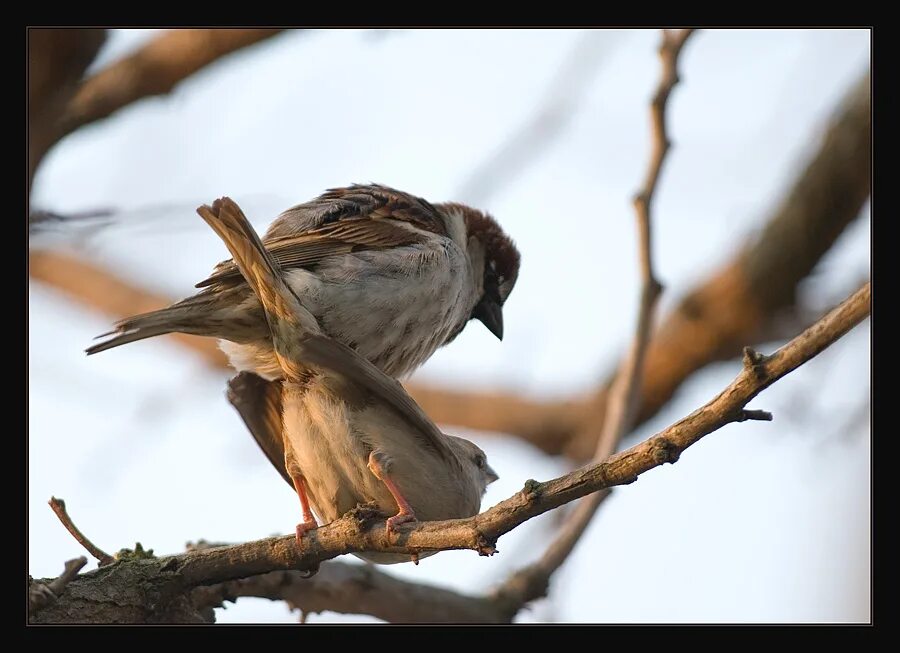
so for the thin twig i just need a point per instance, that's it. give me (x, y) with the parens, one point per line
(42, 594)
(531, 582)
(59, 507)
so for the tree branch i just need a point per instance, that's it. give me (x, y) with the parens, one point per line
(57, 58)
(155, 69)
(59, 507)
(171, 578)
(356, 589)
(58, 105)
(43, 594)
(531, 582)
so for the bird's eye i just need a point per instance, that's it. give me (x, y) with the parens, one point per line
(479, 460)
(491, 283)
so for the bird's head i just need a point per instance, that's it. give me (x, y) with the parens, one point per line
(494, 261)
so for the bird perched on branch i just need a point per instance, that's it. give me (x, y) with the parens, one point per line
(382, 271)
(350, 433)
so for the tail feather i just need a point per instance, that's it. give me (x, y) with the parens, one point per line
(125, 338)
(184, 317)
(261, 272)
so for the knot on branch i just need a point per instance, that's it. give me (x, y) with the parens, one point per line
(532, 490)
(754, 362)
(365, 514)
(138, 553)
(664, 451)
(484, 546)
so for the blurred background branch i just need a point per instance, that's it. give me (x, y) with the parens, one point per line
(61, 101)
(745, 302)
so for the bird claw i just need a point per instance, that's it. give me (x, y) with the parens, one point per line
(396, 520)
(303, 527)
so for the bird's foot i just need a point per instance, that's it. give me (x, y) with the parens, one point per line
(305, 526)
(399, 518)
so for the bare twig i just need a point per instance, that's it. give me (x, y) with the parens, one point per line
(59, 507)
(41, 595)
(531, 582)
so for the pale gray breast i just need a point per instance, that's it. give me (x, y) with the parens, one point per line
(395, 308)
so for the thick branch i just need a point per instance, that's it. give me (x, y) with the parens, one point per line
(57, 58)
(356, 589)
(361, 529)
(155, 69)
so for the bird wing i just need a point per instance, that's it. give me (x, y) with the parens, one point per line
(341, 221)
(338, 359)
(258, 402)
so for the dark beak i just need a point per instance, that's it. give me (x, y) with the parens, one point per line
(491, 315)
(491, 474)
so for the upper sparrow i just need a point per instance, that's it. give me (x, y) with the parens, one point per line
(351, 434)
(384, 272)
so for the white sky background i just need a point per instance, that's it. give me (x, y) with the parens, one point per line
(757, 522)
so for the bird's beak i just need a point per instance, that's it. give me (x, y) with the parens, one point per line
(491, 474)
(490, 314)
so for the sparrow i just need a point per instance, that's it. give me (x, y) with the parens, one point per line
(339, 430)
(386, 273)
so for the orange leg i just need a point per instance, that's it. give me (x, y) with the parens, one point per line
(309, 522)
(406, 513)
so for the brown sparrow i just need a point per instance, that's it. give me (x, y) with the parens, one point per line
(384, 272)
(339, 430)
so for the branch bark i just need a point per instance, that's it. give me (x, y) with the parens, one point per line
(149, 587)
(356, 589)
(42, 594)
